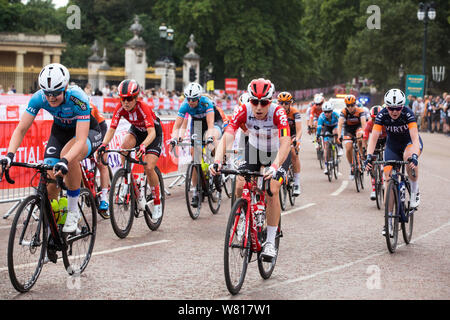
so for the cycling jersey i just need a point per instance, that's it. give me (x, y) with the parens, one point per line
(75, 107)
(368, 130)
(142, 116)
(352, 120)
(205, 106)
(263, 134)
(327, 123)
(293, 116)
(316, 110)
(96, 114)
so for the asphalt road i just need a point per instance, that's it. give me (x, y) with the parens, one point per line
(332, 248)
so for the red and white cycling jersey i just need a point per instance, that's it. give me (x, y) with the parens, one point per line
(142, 117)
(263, 134)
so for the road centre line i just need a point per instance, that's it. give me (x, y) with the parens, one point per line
(341, 267)
(101, 252)
(298, 209)
(341, 188)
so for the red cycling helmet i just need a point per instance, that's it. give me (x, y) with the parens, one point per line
(374, 111)
(261, 89)
(128, 88)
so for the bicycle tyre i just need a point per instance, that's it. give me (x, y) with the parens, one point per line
(114, 196)
(98, 189)
(283, 193)
(361, 170)
(336, 163)
(290, 184)
(356, 171)
(407, 227)
(234, 222)
(214, 196)
(266, 268)
(193, 212)
(233, 190)
(228, 188)
(151, 224)
(76, 263)
(379, 187)
(391, 195)
(25, 286)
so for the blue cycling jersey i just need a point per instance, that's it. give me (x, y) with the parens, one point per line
(205, 106)
(323, 121)
(74, 108)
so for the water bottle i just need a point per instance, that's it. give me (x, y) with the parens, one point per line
(141, 186)
(259, 213)
(55, 208)
(63, 208)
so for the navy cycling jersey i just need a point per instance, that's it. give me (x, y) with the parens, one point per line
(397, 130)
(75, 107)
(323, 121)
(205, 106)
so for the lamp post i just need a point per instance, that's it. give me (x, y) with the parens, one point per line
(162, 36)
(401, 73)
(242, 72)
(170, 35)
(210, 69)
(426, 12)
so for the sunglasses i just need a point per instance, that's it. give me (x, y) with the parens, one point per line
(192, 99)
(286, 103)
(53, 93)
(127, 99)
(350, 105)
(394, 108)
(328, 112)
(263, 102)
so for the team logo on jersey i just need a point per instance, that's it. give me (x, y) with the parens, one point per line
(79, 103)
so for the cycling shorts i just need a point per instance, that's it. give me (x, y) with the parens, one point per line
(202, 123)
(395, 152)
(154, 147)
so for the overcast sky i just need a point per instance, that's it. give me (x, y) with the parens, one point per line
(58, 3)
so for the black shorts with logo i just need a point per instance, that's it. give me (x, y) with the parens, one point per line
(155, 146)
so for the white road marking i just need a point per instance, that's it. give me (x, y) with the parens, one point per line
(337, 268)
(298, 209)
(341, 188)
(5, 227)
(100, 252)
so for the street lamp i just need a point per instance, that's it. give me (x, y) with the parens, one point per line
(210, 69)
(426, 12)
(401, 73)
(170, 35)
(242, 77)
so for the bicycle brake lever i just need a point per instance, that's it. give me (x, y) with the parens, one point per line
(60, 183)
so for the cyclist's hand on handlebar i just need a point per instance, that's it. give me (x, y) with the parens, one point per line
(140, 151)
(6, 161)
(61, 168)
(413, 161)
(210, 140)
(270, 172)
(101, 150)
(215, 168)
(368, 162)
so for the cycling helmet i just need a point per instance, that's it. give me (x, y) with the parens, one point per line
(193, 90)
(285, 96)
(327, 106)
(128, 88)
(261, 89)
(394, 98)
(374, 111)
(318, 99)
(244, 98)
(350, 99)
(54, 77)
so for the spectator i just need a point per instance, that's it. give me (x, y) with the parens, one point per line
(88, 89)
(106, 90)
(411, 99)
(11, 90)
(1, 89)
(97, 92)
(418, 109)
(114, 92)
(447, 115)
(435, 114)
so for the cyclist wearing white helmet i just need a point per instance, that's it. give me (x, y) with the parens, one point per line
(75, 134)
(328, 121)
(403, 140)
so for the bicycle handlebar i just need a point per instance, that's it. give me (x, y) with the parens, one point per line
(41, 167)
(127, 155)
(393, 163)
(249, 173)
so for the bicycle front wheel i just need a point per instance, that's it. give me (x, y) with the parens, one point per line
(80, 244)
(27, 244)
(379, 187)
(290, 186)
(356, 171)
(189, 192)
(153, 224)
(266, 268)
(407, 226)
(121, 204)
(391, 217)
(335, 163)
(236, 252)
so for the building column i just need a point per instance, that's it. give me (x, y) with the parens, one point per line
(46, 58)
(56, 58)
(20, 54)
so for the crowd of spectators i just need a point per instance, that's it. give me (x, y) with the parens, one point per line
(432, 113)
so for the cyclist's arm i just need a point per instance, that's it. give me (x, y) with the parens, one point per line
(175, 131)
(319, 125)
(224, 143)
(376, 131)
(298, 127)
(414, 134)
(108, 136)
(19, 133)
(363, 121)
(340, 124)
(210, 123)
(151, 135)
(283, 152)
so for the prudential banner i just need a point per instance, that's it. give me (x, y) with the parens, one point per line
(415, 84)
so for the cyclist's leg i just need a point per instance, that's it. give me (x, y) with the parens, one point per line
(359, 135)
(414, 180)
(296, 166)
(52, 154)
(104, 172)
(153, 152)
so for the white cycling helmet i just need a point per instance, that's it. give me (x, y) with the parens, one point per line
(193, 90)
(394, 98)
(53, 77)
(327, 106)
(318, 99)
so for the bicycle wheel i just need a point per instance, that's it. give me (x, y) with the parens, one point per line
(335, 163)
(361, 171)
(320, 157)
(266, 268)
(391, 217)
(121, 204)
(27, 244)
(98, 190)
(236, 253)
(154, 224)
(290, 186)
(214, 195)
(80, 244)
(356, 171)
(283, 196)
(407, 226)
(227, 185)
(379, 187)
(189, 192)
(233, 190)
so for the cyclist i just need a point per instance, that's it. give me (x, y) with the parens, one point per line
(353, 121)
(205, 117)
(145, 134)
(403, 141)
(104, 173)
(286, 100)
(328, 120)
(269, 145)
(380, 142)
(315, 112)
(75, 134)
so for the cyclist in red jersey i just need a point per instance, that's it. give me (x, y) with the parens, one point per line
(315, 112)
(269, 145)
(145, 134)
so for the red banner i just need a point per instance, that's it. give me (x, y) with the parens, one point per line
(231, 85)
